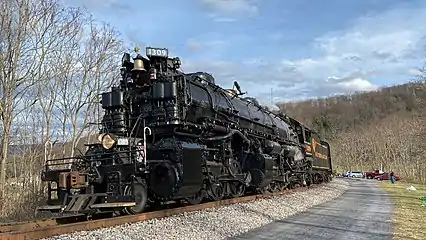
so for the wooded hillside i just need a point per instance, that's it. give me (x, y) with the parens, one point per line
(369, 129)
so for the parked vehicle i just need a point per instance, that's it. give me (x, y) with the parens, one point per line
(386, 176)
(354, 174)
(373, 174)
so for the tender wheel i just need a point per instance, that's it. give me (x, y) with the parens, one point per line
(141, 198)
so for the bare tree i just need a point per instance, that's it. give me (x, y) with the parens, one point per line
(396, 143)
(92, 68)
(24, 187)
(18, 61)
(64, 27)
(54, 61)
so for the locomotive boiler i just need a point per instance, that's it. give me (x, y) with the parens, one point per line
(168, 136)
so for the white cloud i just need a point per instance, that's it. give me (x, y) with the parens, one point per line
(210, 45)
(388, 46)
(391, 37)
(383, 46)
(114, 4)
(414, 72)
(193, 44)
(357, 84)
(230, 10)
(232, 6)
(222, 19)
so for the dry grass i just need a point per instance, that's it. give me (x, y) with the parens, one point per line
(21, 202)
(410, 216)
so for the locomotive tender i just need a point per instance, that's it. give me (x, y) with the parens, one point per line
(173, 136)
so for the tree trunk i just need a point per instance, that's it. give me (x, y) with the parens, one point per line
(4, 153)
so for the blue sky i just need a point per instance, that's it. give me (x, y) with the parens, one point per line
(301, 49)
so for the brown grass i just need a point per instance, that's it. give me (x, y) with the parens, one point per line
(21, 202)
(410, 216)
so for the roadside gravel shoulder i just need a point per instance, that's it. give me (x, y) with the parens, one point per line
(219, 222)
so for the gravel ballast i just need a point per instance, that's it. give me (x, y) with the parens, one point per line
(219, 222)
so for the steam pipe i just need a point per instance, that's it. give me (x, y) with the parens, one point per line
(185, 134)
(144, 143)
(232, 132)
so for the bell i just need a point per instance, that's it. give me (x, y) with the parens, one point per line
(138, 65)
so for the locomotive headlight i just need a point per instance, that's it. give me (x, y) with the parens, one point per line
(108, 141)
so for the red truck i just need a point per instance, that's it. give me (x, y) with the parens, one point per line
(373, 175)
(386, 176)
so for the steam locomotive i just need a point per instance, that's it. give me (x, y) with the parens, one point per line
(169, 136)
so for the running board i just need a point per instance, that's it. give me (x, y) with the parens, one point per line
(113, 205)
(84, 203)
(50, 208)
(59, 208)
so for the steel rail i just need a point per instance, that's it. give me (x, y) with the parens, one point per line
(46, 222)
(52, 227)
(19, 226)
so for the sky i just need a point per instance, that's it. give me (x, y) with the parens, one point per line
(300, 49)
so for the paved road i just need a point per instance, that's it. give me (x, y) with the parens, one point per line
(362, 212)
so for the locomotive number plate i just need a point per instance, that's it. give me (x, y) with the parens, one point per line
(122, 141)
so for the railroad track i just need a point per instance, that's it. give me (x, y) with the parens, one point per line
(56, 226)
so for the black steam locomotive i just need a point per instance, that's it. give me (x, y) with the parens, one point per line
(173, 136)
